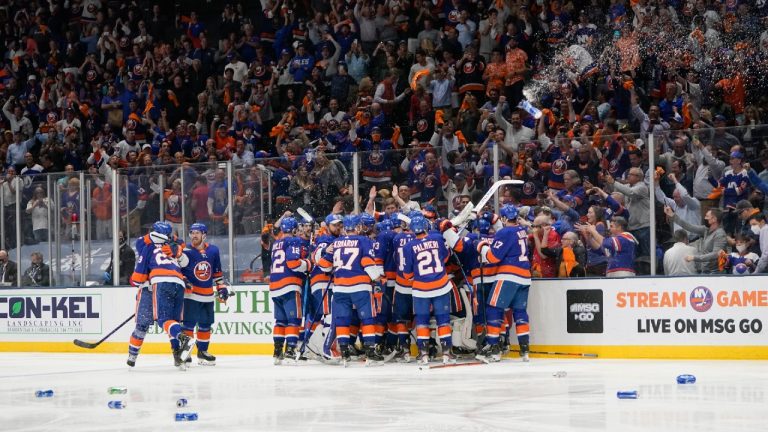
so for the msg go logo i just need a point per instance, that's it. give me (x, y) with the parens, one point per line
(584, 312)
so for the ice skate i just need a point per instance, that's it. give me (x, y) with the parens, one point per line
(290, 355)
(186, 344)
(373, 357)
(489, 354)
(448, 356)
(423, 357)
(205, 358)
(278, 354)
(346, 355)
(132, 359)
(178, 361)
(524, 350)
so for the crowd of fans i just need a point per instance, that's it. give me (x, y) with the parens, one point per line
(420, 96)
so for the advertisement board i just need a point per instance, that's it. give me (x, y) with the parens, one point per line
(689, 317)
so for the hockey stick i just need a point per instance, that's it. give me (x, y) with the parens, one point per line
(92, 345)
(590, 355)
(491, 191)
(451, 365)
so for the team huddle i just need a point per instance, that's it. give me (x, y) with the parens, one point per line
(361, 285)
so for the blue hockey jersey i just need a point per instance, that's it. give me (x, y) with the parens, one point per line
(203, 269)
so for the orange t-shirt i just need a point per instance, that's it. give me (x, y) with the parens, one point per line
(515, 62)
(733, 92)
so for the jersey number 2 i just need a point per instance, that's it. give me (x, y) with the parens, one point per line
(278, 262)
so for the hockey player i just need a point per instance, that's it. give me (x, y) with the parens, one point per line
(158, 266)
(320, 280)
(201, 266)
(351, 258)
(385, 258)
(507, 257)
(424, 271)
(402, 302)
(144, 311)
(289, 269)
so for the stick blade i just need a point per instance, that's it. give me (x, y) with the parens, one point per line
(304, 215)
(83, 344)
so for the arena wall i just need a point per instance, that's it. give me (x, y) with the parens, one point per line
(687, 317)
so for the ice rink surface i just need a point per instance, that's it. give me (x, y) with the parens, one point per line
(248, 393)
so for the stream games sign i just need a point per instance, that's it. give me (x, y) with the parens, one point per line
(51, 314)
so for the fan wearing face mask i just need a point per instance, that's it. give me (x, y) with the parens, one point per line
(741, 261)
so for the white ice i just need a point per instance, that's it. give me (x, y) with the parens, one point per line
(248, 393)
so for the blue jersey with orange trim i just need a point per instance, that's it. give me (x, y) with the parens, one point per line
(318, 278)
(289, 265)
(508, 256)
(386, 256)
(425, 262)
(466, 251)
(156, 267)
(352, 255)
(555, 164)
(203, 269)
(398, 243)
(620, 250)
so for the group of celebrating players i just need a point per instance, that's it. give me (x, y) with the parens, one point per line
(460, 284)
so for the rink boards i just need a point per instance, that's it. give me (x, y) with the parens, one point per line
(687, 317)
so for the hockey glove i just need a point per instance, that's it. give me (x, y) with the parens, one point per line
(444, 225)
(171, 251)
(482, 248)
(222, 293)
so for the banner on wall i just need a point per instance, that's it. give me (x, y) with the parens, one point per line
(60, 313)
(650, 311)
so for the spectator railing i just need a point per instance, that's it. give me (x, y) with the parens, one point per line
(73, 218)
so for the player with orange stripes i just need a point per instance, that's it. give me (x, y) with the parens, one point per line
(425, 259)
(290, 267)
(506, 258)
(157, 265)
(351, 259)
(201, 266)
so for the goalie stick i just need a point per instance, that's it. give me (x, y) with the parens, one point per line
(475, 209)
(92, 345)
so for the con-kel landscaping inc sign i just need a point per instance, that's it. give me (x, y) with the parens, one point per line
(51, 314)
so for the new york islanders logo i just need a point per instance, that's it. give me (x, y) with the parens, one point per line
(559, 166)
(701, 299)
(529, 188)
(376, 158)
(203, 271)
(422, 125)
